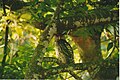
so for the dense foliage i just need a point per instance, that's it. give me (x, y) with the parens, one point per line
(27, 19)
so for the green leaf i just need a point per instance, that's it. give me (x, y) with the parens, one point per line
(80, 1)
(110, 45)
(19, 65)
(85, 8)
(82, 32)
(49, 49)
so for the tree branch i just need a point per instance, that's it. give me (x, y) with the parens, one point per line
(45, 38)
(67, 68)
(52, 59)
(6, 40)
(76, 66)
(95, 18)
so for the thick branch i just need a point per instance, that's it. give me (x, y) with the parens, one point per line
(97, 17)
(67, 68)
(90, 18)
(78, 66)
(52, 59)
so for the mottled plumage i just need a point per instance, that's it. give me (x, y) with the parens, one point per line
(64, 51)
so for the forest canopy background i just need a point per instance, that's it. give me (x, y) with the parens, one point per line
(28, 19)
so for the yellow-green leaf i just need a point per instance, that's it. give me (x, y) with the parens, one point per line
(26, 16)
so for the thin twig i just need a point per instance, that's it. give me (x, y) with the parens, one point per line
(6, 41)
